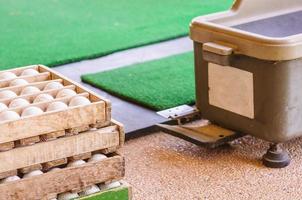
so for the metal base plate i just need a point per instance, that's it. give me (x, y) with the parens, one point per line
(201, 133)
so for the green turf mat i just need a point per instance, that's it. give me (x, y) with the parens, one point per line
(158, 84)
(54, 32)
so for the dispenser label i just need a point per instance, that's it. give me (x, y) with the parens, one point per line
(231, 89)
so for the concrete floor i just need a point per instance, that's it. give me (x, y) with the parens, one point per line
(162, 167)
(134, 117)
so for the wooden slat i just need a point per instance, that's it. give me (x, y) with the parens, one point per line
(82, 156)
(52, 121)
(52, 136)
(30, 78)
(121, 130)
(27, 141)
(30, 168)
(77, 130)
(60, 148)
(17, 89)
(7, 146)
(54, 182)
(31, 97)
(43, 105)
(109, 150)
(8, 173)
(51, 164)
(19, 70)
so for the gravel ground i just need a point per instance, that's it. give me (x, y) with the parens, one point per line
(162, 167)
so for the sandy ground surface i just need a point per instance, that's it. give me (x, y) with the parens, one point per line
(162, 167)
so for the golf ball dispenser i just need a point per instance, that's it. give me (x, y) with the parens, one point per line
(248, 69)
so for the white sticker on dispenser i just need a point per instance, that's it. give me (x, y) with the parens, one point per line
(231, 89)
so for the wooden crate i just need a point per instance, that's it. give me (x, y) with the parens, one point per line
(51, 183)
(54, 152)
(52, 124)
(124, 192)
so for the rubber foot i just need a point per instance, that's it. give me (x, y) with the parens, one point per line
(276, 157)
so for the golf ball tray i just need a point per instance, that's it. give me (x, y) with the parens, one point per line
(64, 179)
(57, 139)
(51, 123)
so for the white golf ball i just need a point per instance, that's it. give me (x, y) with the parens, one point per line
(6, 94)
(33, 173)
(9, 115)
(66, 93)
(76, 163)
(58, 105)
(30, 90)
(97, 157)
(76, 101)
(53, 85)
(111, 185)
(10, 179)
(18, 102)
(2, 107)
(90, 190)
(67, 196)
(43, 98)
(7, 75)
(30, 111)
(29, 72)
(54, 169)
(17, 82)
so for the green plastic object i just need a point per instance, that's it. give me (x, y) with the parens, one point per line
(121, 193)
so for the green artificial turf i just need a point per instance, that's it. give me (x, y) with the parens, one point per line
(158, 84)
(112, 194)
(54, 32)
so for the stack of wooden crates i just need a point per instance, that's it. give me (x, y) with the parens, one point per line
(59, 151)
